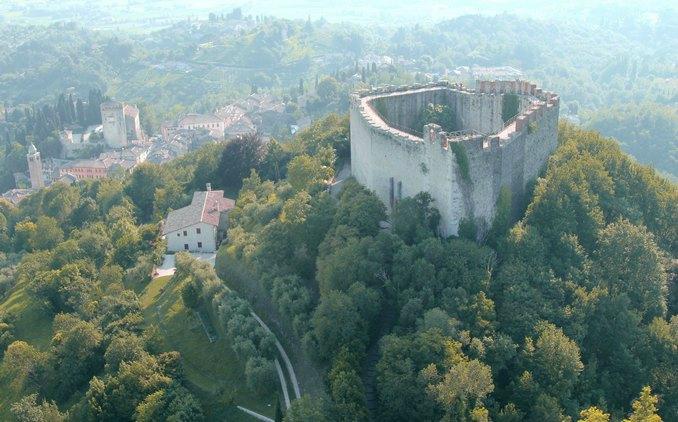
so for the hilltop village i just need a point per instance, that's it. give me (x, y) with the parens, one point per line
(119, 144)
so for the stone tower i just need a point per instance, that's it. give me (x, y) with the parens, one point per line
(35, 167)
(113, 121)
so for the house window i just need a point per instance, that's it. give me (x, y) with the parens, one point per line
(178, 234)
(185, 234)
(197, 230)
(199, 244)
(185, 246)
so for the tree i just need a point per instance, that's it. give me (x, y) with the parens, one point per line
(60, 200)
(415, 219)
(401, 388)
(47, 234)
(357, 260)
(328, 89)
(359, 209)
(593, 414)
(336, 323)
(260, 375)
(311, 173)
(190, 293)
(461, 390)
(348, 396)
(86, 211)
(25, 366)
(117, 397)
(145, 179)
(76, 354)
(554, 361)
(502, 217)
(29, 410)
(629, 262)
(645, 407)
(125, 347)
(439, 114)
(24, 231)
(308, 409)
(240, 156)
(174, 403)
(275, 161)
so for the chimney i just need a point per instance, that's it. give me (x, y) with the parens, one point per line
(208, 186)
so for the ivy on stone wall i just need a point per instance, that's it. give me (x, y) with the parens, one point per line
(532, 127)
(440, 114)
(509, 106)
(462, 160)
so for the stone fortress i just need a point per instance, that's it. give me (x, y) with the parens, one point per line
(464, 170)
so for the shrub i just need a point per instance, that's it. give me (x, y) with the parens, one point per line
(260, 375)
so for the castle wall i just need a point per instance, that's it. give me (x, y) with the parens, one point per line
(395, 164)
(481, 113)
(405, 109)
(398, 159)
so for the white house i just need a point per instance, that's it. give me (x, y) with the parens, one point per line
(200, 226)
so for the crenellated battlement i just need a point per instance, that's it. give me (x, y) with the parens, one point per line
(395, 156)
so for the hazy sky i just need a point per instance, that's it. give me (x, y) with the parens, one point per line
(386, 12)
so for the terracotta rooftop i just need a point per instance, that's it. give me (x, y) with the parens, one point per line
(206, 207)
(196, 119)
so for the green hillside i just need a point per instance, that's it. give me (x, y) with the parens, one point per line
(211, 368)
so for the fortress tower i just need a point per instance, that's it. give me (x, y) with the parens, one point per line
(113, 121)
(498, 137)
(35, 167)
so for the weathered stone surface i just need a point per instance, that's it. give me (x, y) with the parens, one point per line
(390, 156)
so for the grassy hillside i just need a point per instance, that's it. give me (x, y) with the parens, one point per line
(213, 371)
(33, 325)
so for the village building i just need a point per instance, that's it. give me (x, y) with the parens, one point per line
(74, 140)
(97, 168)
(14, 196)
(209, 122)
(200, 226)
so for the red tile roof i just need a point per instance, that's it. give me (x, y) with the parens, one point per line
(206, 207)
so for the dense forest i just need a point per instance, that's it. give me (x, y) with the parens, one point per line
(567, 314)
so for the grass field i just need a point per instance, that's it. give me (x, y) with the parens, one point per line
(214, 373)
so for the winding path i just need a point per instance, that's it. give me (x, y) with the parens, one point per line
(255, 414)
(283, 383)
(286, 359)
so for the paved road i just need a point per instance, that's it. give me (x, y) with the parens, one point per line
(168, 266)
